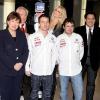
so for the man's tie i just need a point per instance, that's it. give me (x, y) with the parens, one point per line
(89, 41)
(22, 28)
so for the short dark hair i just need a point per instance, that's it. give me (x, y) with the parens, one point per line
(43, 15)
(13, 15)
(90, 13)
(68, 20)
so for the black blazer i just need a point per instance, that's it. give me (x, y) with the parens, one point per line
(94, 46)
(11, 52)
(30, 28)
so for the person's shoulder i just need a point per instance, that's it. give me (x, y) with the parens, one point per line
(97, 28)
(77, 36)
(20, 32)
(33, 35)
(80, 29)
(96, 32)
(60, 36)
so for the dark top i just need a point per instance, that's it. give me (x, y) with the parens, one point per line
(14, 38)
(30, 28)
(57, 31)
(94, 46)
(12, 52)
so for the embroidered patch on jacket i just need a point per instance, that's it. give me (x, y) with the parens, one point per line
(37, 41)
(62, 43)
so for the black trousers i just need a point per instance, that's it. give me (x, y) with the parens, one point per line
(26, 87)
(90, 88)
(54, 81)
(10, 87)
(91, 77)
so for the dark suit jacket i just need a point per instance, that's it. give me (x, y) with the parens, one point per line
(30, 28)
(94, 46)
(12, 52)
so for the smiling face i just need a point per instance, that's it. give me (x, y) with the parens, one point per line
(57, 12)
(90, 20)
(13, 21)
(13, 24)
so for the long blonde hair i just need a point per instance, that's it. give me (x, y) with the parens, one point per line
(63, 15)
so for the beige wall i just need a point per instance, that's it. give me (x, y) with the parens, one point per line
(9, 5)
(76, 11)
(1, 17)
(83, 11)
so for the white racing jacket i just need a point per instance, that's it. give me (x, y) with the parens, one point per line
(42, 54)
(70, 52)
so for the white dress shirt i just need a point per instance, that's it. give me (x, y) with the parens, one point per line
(42, 54)
(87, 30)
(70, 52)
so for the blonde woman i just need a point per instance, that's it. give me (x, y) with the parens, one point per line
(57, 18)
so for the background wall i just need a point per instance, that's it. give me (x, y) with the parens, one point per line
(1, 14)
(73, 8)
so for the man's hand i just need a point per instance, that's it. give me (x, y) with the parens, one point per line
(28, 73)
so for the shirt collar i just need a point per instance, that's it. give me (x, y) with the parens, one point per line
(24, 25)
(40, 32)
(87, 28)
(67, 35)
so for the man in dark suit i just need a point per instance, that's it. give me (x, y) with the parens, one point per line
(24, 26)
(91, 58)
(27, 29)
